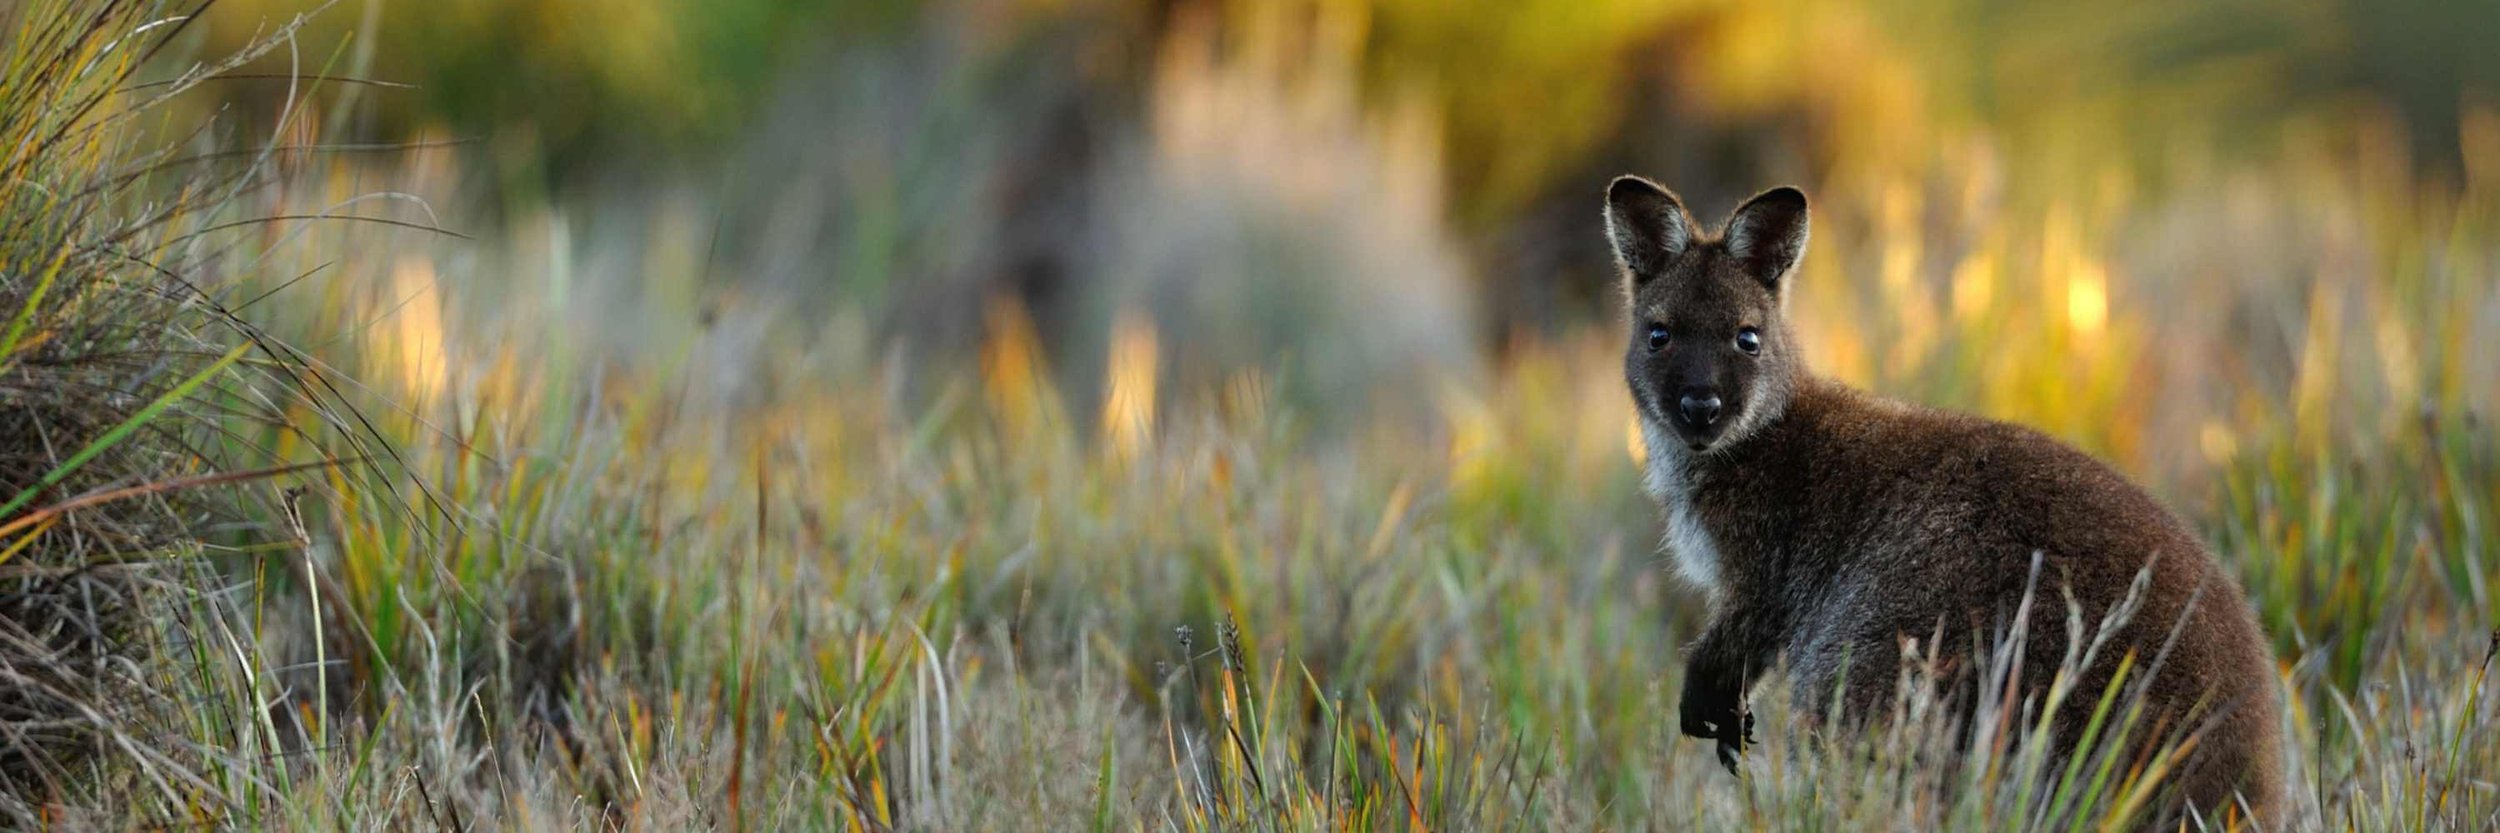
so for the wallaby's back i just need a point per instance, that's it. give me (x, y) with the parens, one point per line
(1932, 521)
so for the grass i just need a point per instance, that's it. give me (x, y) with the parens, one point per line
(105, 360)
(966, 618)
(426, 548)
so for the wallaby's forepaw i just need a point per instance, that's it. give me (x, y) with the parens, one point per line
(1717, 712)
(1732, 745)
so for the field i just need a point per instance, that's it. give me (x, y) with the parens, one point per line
(346, 490)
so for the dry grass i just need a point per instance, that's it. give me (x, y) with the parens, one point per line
(124, 371)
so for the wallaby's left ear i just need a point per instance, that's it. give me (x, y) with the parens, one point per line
(1647, 225)
(1768, 234)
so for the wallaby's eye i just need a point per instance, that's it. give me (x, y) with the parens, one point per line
(1657, 337)
(1749, 340)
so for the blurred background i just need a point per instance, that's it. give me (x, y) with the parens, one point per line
(2128, 222)
(2194, 238)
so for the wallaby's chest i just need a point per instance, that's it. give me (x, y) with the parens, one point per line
(1670, 479)
(1780, 522)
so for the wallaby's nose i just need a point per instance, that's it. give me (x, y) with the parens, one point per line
(1701, 407)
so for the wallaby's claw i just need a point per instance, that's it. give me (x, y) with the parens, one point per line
(1734, 740)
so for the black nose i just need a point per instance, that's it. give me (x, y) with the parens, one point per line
(1700, 407)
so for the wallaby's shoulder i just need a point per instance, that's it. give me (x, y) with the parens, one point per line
(1916, 433)
(1845, 423)
(2007, 481)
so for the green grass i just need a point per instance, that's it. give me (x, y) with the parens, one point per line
(831, 610)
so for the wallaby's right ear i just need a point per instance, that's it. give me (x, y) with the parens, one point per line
(1768, 235)
(1647, 225)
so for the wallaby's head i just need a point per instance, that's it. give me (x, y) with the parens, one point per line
(1711, 354)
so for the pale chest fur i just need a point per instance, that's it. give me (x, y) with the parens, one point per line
(1687, 542)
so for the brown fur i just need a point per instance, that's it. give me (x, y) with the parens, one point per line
(1829, 525)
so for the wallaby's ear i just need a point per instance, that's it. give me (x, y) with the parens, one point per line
(1647, 225)
(1768, 234)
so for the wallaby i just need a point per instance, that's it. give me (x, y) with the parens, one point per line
(1828, 525)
